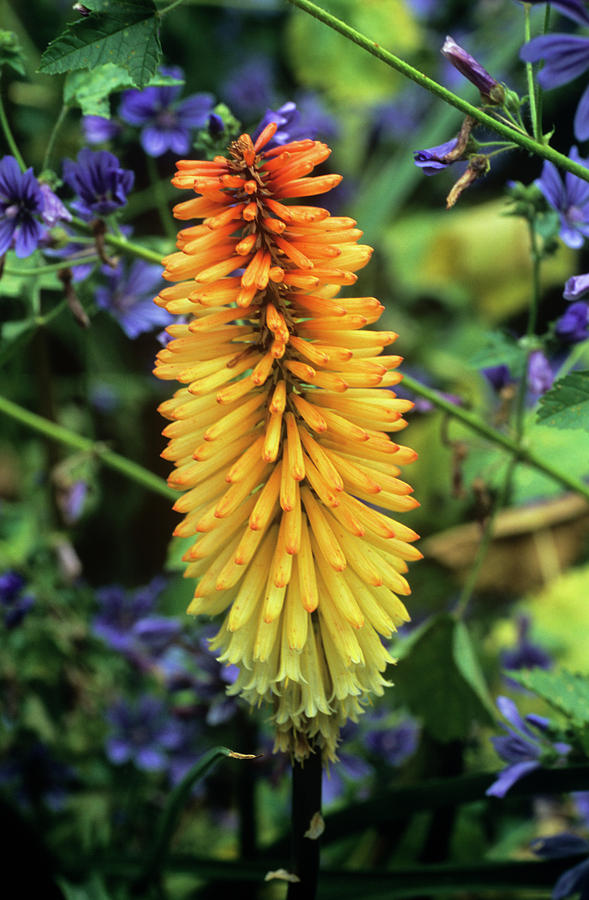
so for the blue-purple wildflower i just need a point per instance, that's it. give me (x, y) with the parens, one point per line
(490, 89)
(128, 296)
(540, 374)
(433, 160)
(574, 881)
(573, 326)
(143, 733)
(121, 612)
(99, 181)
(166, 122)
(569, 198)
(393, 745)
(296, 121)
(576, 287)
(248, 88)
(21, 204)
(574, 9)
(525, 748)
(498, 377)
(526, 654)
(99, 130)
(14, 601)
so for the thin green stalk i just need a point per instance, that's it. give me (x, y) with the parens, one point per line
(545, 30)
(169, 7)
(120, 243)
(531, 79)
(53, 136)
(522, 453)
(522, 140)
(51, 267)
(161, 200)
(9, 136)
(55, 432)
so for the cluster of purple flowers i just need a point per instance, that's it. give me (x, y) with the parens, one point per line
(27, 209)
(15, 602)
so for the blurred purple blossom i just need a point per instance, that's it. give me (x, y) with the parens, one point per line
(574, 9)
(21, 201)
(569, 198)
(121, 611)
(142, 733)
(297, 122)
(393, 744)
(432, 161)
(34, 777)
(525, 748)
(498, 376)
(99, 182)
(71, 498)
(540, 374)
(14, 602)
(248, 89)
(572, 326)
(525, 655)
(349, 768)
(98, 130)
(576, 287)
(574, 880)
(166, 121)
(129, 294)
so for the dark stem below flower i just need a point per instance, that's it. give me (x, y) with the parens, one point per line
(306, 803)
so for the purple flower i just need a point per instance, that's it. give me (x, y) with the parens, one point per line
(525, 748)
(120, 612)
(576, 287)
(99, 181)
(393, 745)
(15, 602)
(525, 655)
(248, 89)
(98, 130)
(572, 326)
(142, 733)
(21, 200)
(71, 498)
(166, 124)
(333, 785)
(53, 209)
(489, 87)
(570, 199)
(296, 123)
(540, 375)
(566, 56)
(498, 376)
(432, 161)
(574, 9)
(572, 881)
(129, 294)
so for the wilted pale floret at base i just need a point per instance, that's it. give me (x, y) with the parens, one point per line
(279, 439)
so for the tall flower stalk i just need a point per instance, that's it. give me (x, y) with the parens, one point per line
(279, 439)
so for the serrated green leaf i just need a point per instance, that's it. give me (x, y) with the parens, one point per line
(90, 90)
(500, 350)
(566, 405)
(440, 681)
(563, 690)
(11, 53)
(123, 32)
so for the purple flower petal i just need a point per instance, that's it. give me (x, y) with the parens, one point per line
(576, 287)
(508, 777)
(566, 56)
(581, 122)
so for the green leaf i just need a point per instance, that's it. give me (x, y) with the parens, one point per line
(566, 405)
(90, 90)
(123, 32)
(500, 350)
(440, 680)
(566, 692)
(11, 52)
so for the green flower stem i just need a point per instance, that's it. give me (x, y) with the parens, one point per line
(517, 137)
(10, 137)
(159, 193)
(120, 243)
(530, 76)
(521, 453)
(53, 136)
(55, 432)
(169, 7)
(51, 267)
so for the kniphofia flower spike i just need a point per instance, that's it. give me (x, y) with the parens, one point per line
(279, 439)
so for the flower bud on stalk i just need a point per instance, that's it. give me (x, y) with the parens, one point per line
(491, 91)
(279, 439)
